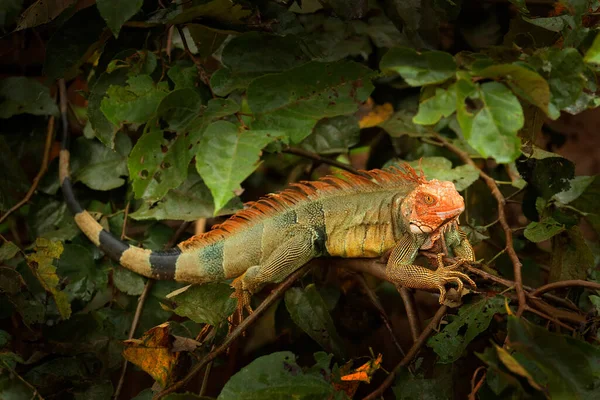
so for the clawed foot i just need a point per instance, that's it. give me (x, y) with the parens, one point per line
(243, 298)
(447, 274)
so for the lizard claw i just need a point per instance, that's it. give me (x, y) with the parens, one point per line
(447, 275)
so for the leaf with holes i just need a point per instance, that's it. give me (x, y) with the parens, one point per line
(471, 320)
(157, 164)
(490, 117)
(226, 156)
(135, 103)
(293, 101)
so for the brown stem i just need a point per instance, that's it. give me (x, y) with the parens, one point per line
(245, 324)
(565, 284)
(411, 312)
(510, 250)
(476, 386)
(549, 318)
(315, 157)
(414, 350)
(46, 157)
(124, 229)
(203, 75)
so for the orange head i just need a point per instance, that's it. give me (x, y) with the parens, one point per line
(431, 205)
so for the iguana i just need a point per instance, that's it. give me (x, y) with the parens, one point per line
(366, 215)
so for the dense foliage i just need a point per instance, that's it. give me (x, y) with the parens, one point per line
(174, 107)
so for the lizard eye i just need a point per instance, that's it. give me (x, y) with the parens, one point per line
(428, 199)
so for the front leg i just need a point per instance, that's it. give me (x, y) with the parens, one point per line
(297, 247)
(402, 272)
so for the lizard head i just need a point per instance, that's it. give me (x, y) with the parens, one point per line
(432, 205)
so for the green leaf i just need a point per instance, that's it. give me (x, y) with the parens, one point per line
(543, 230)
(99, 167)
(491, 126)
(223, 11)
(51, 219)
(117, 12)
(157, 165)
(135, 103)
(207, 39)
(20, 95)
(226, 156)
(431, 110)
(569, 367)
(276, 376)
(104, 130)
(309, 312)
(78, 267)
(471, 320)
(578, 186)
(441, 168)
(127, 281)
(333, 135)
(179, 108)
(587, 202)
(592, 55)
(189, 201)
(554, 24)
(419, 69)
(8, 250)
(548, 175)
(209, 303)
(293, 101)
(79, 36)
(563, 69)
(102, 390)
(41, 12)
(183, 77)
(41, 263)
(571, 256)
(401, 124)
(524, 82)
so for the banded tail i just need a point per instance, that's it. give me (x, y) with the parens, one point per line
(152, 264)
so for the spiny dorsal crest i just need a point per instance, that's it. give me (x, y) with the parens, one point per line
(330, 185)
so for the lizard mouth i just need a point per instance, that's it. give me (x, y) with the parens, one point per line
(447, 215)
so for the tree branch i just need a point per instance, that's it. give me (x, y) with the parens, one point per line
(565, 284)
(245, 324)
(315, 157)
(510, 250)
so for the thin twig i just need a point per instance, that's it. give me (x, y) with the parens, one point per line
(476, 386)
(203, 75)
(491, 183)
(140, 306)
(315, 157)
(237, 331)
(43, 167)
(134, 324)
(19, 377)
(123, 230)
(565, 284)
(411, 312)
(414, 350)
(375, 301)
(549, 318)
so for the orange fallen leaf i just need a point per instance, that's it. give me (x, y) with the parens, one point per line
(371, 114)
(153, 353)
(352, 378)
